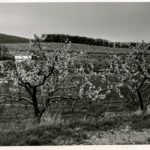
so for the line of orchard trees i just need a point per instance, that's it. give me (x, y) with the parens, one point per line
(5, 54)
(61, 38)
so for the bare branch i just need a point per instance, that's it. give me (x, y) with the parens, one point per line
(25, 99)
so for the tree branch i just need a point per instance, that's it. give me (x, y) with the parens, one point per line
(143, 81)
(143, 89)
(46, 76)
(14, 97)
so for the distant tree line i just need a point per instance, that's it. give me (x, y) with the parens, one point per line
(61, 38)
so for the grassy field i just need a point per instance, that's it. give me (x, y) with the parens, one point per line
(101, 124)
(20, 48)
(112, 121)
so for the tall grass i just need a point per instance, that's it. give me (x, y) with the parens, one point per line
(52, 119)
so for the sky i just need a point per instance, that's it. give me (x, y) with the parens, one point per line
(112, 21)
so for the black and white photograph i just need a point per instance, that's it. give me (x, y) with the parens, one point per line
(74, 73)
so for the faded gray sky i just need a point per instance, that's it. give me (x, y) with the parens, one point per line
(112, 21)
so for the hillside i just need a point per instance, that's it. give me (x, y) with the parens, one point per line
(21, 48)
(4, 38)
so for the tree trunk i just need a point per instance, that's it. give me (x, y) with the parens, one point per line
(37, 113)
(73, 106)
(140, 99)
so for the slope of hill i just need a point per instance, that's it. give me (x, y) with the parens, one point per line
(4, 38)
(21, 48)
